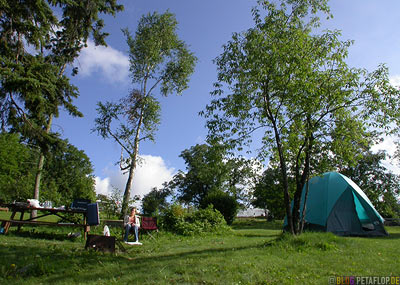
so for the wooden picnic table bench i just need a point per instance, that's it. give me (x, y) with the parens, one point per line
(61, 213)
(44, 223)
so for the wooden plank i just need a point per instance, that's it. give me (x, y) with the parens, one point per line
(17, 222)
(114, 223)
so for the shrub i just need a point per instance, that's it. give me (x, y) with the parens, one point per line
(171, 216)
(155, 201)
(224, 203)
(177, 220)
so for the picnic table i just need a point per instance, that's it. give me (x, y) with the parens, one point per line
(63, 215)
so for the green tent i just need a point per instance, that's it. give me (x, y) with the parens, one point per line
(336, 204)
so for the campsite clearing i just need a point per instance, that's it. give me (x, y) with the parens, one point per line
(250, 255)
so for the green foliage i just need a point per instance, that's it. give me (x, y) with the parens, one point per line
(158, 58)
(224, 203)
(209, 169)
(134, 112)
(380, 185)
(155, 201)
(67, 175)
(294, 86)
(35, 48)
(268, 194)
(110, 205)
(208, 220)
(171, 216)
(16, 163)
(38, 39)
(206, 172)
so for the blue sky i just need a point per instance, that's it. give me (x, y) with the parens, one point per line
(205, 26)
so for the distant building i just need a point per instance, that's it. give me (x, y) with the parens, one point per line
(255, 212)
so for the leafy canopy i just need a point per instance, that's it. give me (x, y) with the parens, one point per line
(16, 161)
(267, 193)
(209, 170)
(380, 185)
(295, 90)
(67, 175)
(158, 58)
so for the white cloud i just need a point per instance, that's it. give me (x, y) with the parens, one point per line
(395, 80)
(388, 144)
(151, 172)
(102, 185)
(110, 63)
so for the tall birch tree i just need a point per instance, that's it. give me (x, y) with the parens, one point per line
(159, 61)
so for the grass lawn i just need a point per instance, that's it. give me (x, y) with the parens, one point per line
(253, 253)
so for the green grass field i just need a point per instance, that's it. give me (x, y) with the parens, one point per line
(253, 253)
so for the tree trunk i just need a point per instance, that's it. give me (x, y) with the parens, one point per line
(127, 193)
(285, 181)
(298, 218)
(40, 167)
(303, 216)
(286, 191)
(38, 175)
(41, 157)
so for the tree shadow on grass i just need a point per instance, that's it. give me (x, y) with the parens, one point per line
(129, 264)
(257, 224)
(51, 263)
(392, 236)
(136, 265)
(33, 234)
(251, 235)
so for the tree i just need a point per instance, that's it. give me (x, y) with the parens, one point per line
(205, 172)
(380, 185)
(268, 194)
(111, 204)
(208, 170)
(158, 58)
(155, 201)
(67, 175)
(294, 87)
(16, 163)
(226, 204)
(35, 49)
(242, 174)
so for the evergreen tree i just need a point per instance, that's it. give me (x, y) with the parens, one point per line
(35, 48)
